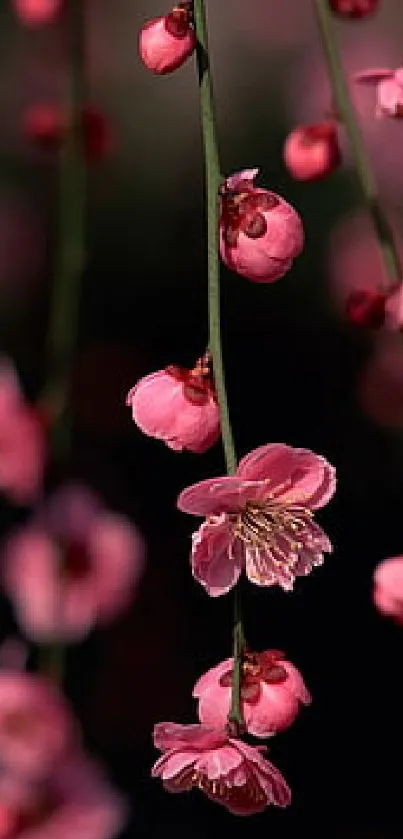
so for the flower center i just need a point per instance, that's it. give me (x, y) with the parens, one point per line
(274, 526)
(243, 210)
(229, 793)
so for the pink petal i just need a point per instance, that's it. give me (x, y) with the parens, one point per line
(210, 679)
(373, 76)
(214, 706)
(170, 735)
(293, 476)
(235, 181)
(275, 711)
(217, 763)
(216, 495)
(295, 683)
(217, 558)
(389, 96)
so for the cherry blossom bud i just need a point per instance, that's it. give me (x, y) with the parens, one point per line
(45, 125)
(354, 8)
(166, 42)
(312, 151)
(260, 234)
(178, 406)
(37, 12)
(388, 588)
(365, 307)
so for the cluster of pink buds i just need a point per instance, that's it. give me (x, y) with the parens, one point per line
(46, 125)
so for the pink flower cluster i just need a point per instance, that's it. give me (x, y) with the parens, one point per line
(73, 567)
(49, 789)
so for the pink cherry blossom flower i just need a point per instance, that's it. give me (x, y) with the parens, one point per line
(394, 309)
(46, 125)
(227, 770)
(22, 441)
(73, 567)
(389, 89)
(37, 12)
(36, 727)
(260, 234)
(312, 151)
(354, 8)
(388, 588)
(272, 690)
(166, 42)
(75, 801)
(261, 519)
(178, 406)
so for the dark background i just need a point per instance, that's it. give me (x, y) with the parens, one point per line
(292, 372)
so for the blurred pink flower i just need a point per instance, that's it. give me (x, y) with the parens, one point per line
(45, 124)
(178, 406)
(354, 8)
(272, 690)
(261, 519)
(260, 234)
(389, 90)
(73, 567)
(36, 727)
(166, 42)
(359, 284)
(388, 588)
(37, 12)
(394, 309)
(75, 801)
(308, 92)
(366, 308)
(312, 151)
(22, 441)
(227, 770)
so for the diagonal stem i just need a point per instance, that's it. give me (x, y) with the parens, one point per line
(345, 109)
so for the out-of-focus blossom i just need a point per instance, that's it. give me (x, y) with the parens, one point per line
(388, 588)
(178, 406)
(22, 441)
(359, 284)
(354, 8)
(166, 42)
(36, 728)
(261, 519)
(74, 566)
(227, 770)
(46, 125)
(272, 690)
(37, 12)
(366, 308)
(75, 801)
(312, 151)
(394, 309)
(260, 234)
(389, 90)
(380, 388)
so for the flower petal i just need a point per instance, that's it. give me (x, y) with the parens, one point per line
(216, 495)
(217, 558)
(373, 75)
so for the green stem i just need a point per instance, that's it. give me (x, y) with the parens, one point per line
(63, 318)
(346, 111)
(213, 179)
(64, 309)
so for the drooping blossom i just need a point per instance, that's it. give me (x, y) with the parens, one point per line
(73, 567)
(354, 8)
(272, 690)
(37, 12)
(312, 151)
(227, 770)
(76, 800)
(22, 441)
(261, 519)
(260, 234)
(388, 588)
(37, 729)
(365, 307)
(46, 124)
(389, 89)
(165, 43)
(178, 406)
